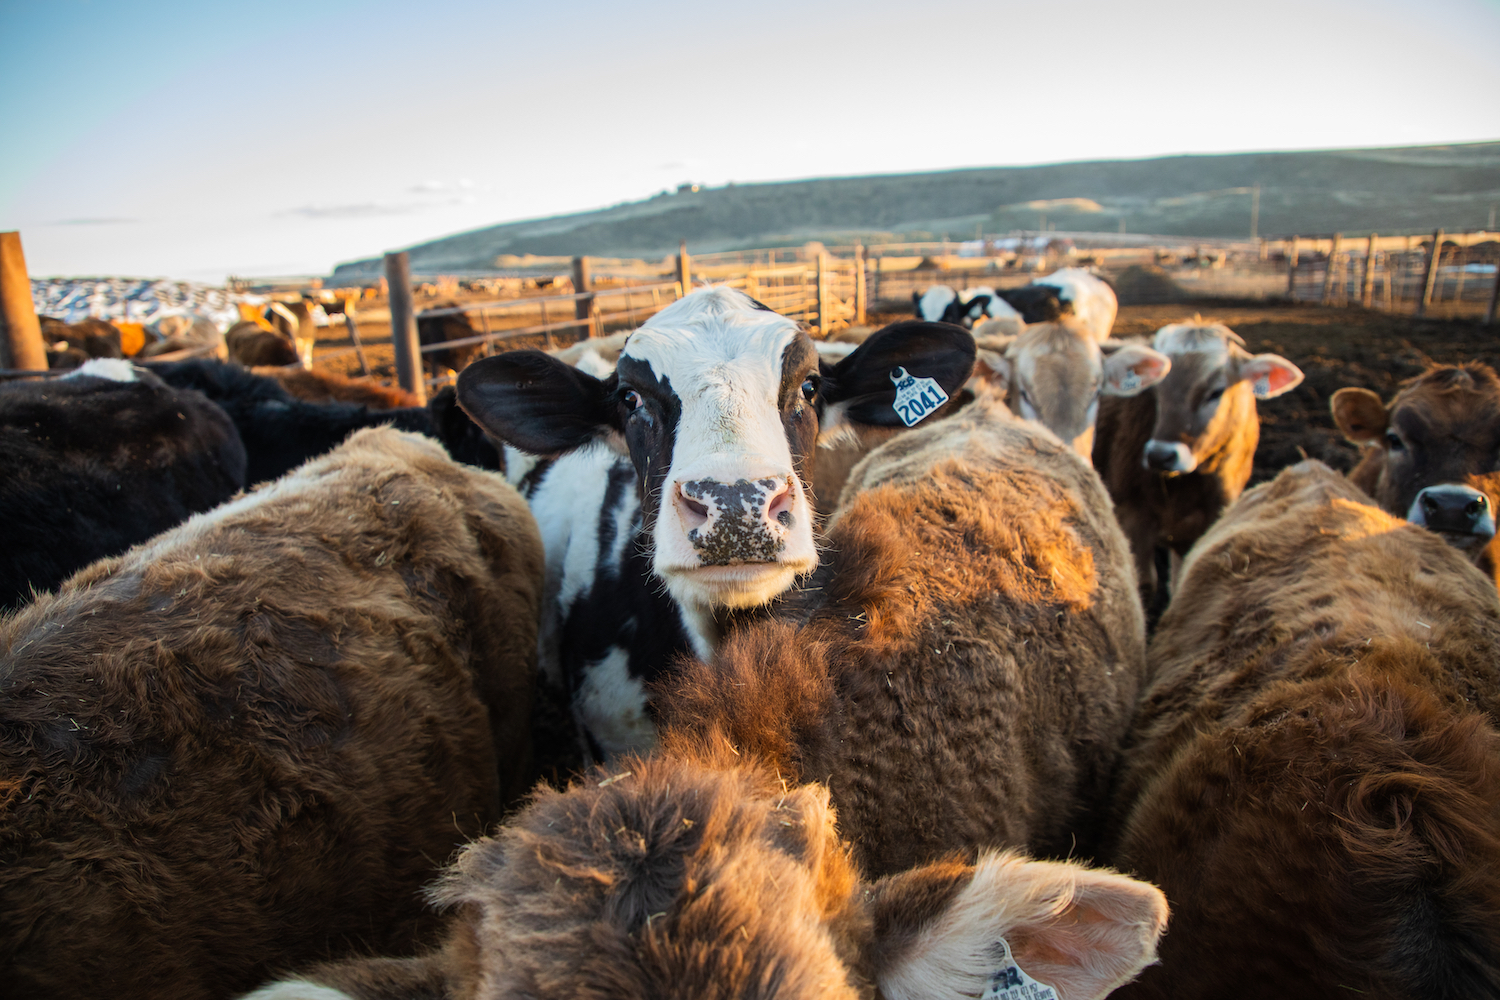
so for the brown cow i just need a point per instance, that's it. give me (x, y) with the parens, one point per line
(1174, 457)
(251, 344)
(958, 672)
(1430, 455)
(330, 387)
(1314, 775)
(248, 742)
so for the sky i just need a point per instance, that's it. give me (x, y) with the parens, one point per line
(161, 138)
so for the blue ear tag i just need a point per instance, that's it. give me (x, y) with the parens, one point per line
(1010, 982)
(915, 397)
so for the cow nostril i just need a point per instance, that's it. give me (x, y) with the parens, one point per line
(1474, 508)
(697, 508)
(780, 507)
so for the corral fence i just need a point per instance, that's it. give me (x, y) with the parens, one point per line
(1393, 273)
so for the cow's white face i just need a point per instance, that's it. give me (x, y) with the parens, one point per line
(718, 401)
(720, 397)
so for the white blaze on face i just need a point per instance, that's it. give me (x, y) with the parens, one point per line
(733, 524)
(114, 369)
(934, 302)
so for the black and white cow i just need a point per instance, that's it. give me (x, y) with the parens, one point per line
(676, 494)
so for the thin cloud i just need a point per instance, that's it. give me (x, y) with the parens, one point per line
(105, 221)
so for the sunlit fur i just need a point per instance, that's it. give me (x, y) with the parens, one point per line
(1313, 776)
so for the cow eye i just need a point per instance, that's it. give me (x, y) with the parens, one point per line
(1215, 396)
(810, 387)
(1393, 440)
(632, 399)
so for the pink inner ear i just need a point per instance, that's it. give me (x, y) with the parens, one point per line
(1150, 368)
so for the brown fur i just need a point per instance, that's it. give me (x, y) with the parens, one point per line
(1314, 775)
(250, 741)
(329, 387)
(958, 672)
(968, 656)
(1449, 421)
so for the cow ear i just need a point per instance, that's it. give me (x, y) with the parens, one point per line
(993, 369)
(1360, 415)
(939, 351)
(1270, 375)
(537, 403)
(950, 930)
(1133, 368)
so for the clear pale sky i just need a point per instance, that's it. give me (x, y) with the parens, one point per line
(258, 137)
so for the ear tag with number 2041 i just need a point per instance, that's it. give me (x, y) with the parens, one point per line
(1010, 982)
(915, 397)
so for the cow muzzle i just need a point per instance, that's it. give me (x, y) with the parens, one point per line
(1170, 458)
(746, 521)
(1461, 514)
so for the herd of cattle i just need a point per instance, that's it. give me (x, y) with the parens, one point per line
(726, 675)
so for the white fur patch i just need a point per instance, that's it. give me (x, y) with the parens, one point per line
(1094, 302)
(611, 706)
(114, 369)
(934, 301)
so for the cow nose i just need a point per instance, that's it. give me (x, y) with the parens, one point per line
(1461, 510)
(747, 520)
(1170, 457)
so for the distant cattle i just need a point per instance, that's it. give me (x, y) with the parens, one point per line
(449, 323)
(1314, 774)
(71, 344)
(249, 742)
(1430, 455)
(330, 387)
(958, 673)
(1087, 296)
(1056, 374)
(298, 321)
(1173, 458)
(718, 403)
(1071, 291)
(279, 430)
(251, 344)
(98, 460)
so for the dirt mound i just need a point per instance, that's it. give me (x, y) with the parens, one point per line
(1146, 285)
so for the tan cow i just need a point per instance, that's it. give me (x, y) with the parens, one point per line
(1174, 457)
(1313, 777)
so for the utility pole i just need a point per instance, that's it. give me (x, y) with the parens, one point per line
(1255, 212)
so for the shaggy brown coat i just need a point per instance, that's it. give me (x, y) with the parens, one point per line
(1314, 774)
(250, 741)
(329, 387)
(964, 669)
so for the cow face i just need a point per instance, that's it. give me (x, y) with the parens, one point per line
(1428, 455)
(1055, 374)
(1209, 395)
(717, 399)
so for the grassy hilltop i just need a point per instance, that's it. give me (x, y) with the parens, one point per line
(1389, 191)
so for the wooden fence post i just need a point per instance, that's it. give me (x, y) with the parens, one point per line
(404, 327)
(1367, 286)
(684, 271)
(859, 284)
(21, 343)
(1291, 269)
(585, 307)
(1430, 278)
(353, 327)
(822, 295)
(1333, 259)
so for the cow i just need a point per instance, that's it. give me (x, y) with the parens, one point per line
(677, 493)
(940, 303)
(281, 431)
(69, 345)
(837, 799)
(1313, 776)
(248, 742)
(1087, 297)
(441, 324)
(298, 322)
(330, 387)
(250, 344)
(97, 460)
(1173, 458)
(1057, 373)
(1430, 454)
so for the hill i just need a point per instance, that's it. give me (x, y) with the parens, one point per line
(1392, 191)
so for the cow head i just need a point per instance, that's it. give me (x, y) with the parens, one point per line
(668, 878)
(717, 400)
(1056, 372)
(1428, 454)
(1209, 395)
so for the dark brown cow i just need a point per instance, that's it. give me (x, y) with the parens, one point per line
(251, 344)
(958, 673)
(1174, 457)
(1432, 453)
(248, 742)
(329, 387)
(1314, 775)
